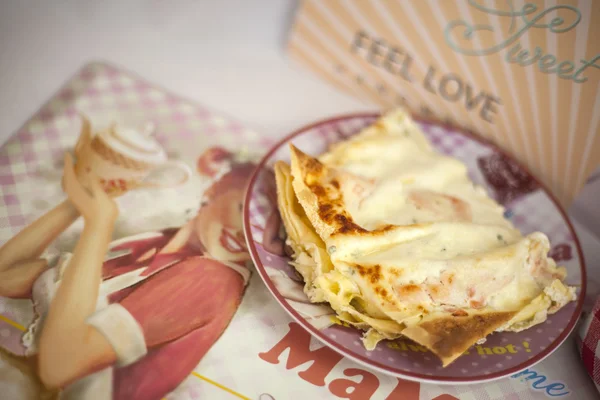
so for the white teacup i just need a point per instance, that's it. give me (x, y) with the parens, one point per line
(126, 159)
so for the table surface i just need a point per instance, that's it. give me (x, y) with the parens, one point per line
(228, 55)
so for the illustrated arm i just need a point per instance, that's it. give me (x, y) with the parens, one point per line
(69, 346)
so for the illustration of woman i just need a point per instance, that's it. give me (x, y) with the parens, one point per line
(129, 320)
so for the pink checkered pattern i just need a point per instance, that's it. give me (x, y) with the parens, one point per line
(33, 156)
(537, 210)
(588, 341)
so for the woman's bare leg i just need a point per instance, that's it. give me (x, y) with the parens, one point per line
(20, 264)
(16, 282)
(30, 243)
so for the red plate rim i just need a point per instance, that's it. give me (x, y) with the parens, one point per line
(364, 360)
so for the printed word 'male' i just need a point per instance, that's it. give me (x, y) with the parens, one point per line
(319, 364)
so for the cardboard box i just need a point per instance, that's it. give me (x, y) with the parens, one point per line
(523, 74)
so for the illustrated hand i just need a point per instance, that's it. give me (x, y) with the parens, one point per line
(81, 151)
(93, 204)
(83, 142)
(85, 136)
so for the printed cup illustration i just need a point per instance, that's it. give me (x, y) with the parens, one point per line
(126, 159)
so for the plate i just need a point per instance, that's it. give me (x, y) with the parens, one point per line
(528, 205)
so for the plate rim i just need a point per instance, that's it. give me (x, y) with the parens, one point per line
(418, 377)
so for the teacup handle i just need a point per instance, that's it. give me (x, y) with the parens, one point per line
(182, 167)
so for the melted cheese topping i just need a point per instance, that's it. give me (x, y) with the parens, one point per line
(417, 237)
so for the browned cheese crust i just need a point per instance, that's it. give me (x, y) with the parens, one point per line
(448, 337)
